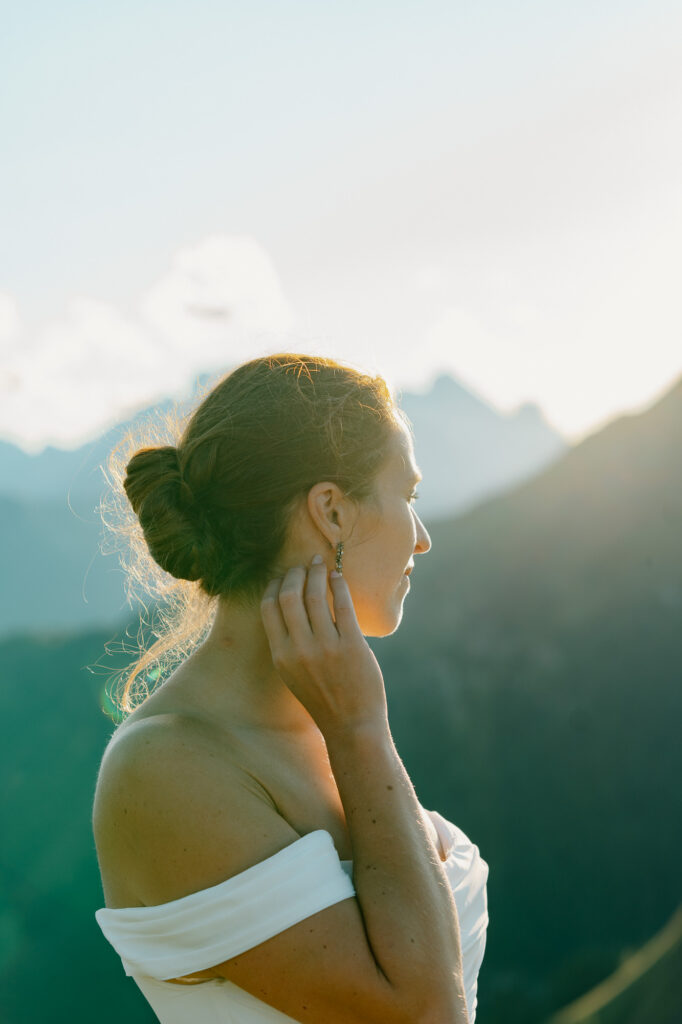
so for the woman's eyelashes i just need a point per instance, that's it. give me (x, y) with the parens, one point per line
(414, 496)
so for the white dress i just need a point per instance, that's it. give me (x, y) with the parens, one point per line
(203, 929)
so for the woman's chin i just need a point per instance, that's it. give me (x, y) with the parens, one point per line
(385, 624)
(380, 615)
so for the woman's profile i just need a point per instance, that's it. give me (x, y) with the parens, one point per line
(263, 854)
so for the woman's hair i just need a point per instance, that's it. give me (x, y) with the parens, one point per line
(204, 501)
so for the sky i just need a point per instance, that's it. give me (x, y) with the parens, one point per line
(484, 189)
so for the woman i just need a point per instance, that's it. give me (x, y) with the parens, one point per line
(263, 853)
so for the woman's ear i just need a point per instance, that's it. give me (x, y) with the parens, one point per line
(328, 510)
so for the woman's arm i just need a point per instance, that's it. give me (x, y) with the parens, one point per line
(406, 901)
(407, 905)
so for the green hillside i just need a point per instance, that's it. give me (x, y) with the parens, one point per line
(54, 966)
(535, 696)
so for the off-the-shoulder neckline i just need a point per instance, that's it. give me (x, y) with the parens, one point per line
(211, 888)
(282, 854)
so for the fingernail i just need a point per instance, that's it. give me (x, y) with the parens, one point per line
(334, 573)
(316, 559)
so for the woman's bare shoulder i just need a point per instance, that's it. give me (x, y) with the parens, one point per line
(142, 743)
(169, 754)
(163, 778)
(139, 753)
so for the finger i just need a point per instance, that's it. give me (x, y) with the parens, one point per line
(344, 611)
(271, 615)
(292, 607)
(317, 605)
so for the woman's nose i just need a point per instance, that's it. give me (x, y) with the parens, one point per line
(423, 540)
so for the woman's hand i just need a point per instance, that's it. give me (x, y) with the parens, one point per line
(328, 665)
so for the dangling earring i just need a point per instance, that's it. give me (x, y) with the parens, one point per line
(339, 556)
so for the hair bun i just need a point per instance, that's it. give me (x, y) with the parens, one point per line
(166, 508)
(151, 468)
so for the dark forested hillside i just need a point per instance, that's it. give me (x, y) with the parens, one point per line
(535, 686)
(54, 966)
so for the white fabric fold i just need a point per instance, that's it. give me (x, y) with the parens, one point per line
(189, 934)
(467, 874)
(205, 928)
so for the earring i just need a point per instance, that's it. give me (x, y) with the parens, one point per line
(339, 556)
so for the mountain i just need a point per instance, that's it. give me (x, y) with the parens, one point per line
(469, 451)
(51, 534)
(454, 430)
(542, 648)
(69, 476)
(55, 577)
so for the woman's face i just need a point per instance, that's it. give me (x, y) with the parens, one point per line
(382, 543)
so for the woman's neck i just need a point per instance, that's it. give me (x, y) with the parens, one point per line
(231, 676)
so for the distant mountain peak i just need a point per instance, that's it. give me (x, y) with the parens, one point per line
(445, 383)
(448, 388)
(529, 412)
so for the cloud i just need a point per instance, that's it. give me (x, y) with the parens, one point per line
(71, 380)
(84, 372)
(10, 331)
(220, 286)
(9, 320)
